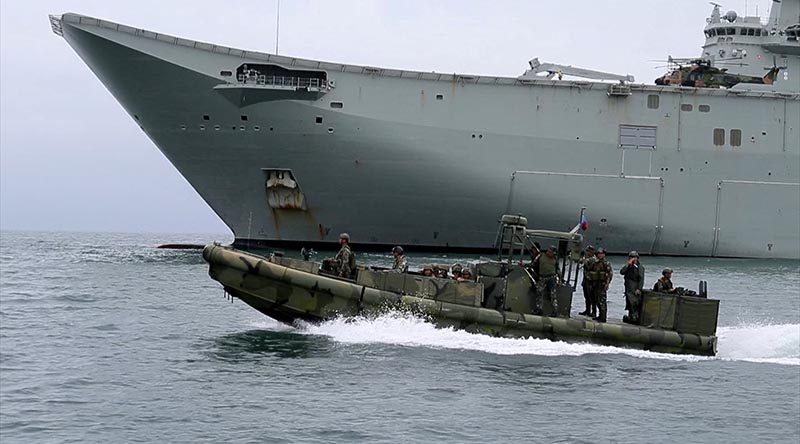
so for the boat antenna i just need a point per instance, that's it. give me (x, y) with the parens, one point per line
(277, 27)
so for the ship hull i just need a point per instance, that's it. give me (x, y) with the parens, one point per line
(431, 163)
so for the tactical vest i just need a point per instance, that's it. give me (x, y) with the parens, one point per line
(598, 271)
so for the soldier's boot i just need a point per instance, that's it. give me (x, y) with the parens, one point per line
(537, 310)
(588, 308)
(602, 316)
(554, 303)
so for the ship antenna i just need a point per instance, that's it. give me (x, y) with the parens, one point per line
(277, 27)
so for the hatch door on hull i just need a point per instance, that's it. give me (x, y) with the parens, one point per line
(283, 191)
(624, 212)
(637, 144)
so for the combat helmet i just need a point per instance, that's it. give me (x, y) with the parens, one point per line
(600, 250)
(345, 236)
(633, 253)
(397, 249)
(666, 271)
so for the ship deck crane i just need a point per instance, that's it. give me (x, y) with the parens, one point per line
(554, 70)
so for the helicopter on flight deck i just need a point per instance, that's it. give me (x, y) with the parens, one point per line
(699, 73)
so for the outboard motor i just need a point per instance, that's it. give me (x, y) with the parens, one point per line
(702, 289)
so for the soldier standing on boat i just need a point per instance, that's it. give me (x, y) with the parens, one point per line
(634, 283)
(400, 261)
(546, 269)
(345, 260)
(585, 262)
(664, 283)
(600, 274)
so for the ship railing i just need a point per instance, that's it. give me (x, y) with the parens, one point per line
(283, 81)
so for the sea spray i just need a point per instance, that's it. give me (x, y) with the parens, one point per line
(777, 344)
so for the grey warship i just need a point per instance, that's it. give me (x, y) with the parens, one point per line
(288, 150)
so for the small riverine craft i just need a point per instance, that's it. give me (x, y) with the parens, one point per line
(499, 300)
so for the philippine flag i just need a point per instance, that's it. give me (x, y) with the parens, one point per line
(584, 222)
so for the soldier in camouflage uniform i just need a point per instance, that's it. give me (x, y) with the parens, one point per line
(600, 274)
(400, 262)
(585, 262)
(345, 260)
(634, 284)
(664, 283)
(455, 271)
(546, 269)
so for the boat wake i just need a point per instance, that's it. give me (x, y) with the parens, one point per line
(775, 344)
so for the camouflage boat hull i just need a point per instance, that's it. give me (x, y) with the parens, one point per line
(288, 294)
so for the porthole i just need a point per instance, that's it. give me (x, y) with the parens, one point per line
(439, 96)
(330, 130)
(256, 128)
(206, 117)
(736, 137)
(225, 73)
(704, 108)
(686, 107)
(652, 101)
(719, 136)
(202, 127)
(337, 105)
(233, 127)
(183, 127)
(216, 127)
(241, 128)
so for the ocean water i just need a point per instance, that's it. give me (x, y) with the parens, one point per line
(104, 338)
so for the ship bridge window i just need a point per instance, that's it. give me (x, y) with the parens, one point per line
(652, 101)
(731, 31)
(743, 31)
(758, 33)
(751, 32)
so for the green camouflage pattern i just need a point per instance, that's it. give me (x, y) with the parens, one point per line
(288, 293)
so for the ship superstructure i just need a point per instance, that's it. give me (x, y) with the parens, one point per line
(289, 151)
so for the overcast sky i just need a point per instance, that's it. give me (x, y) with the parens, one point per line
(71, 159)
